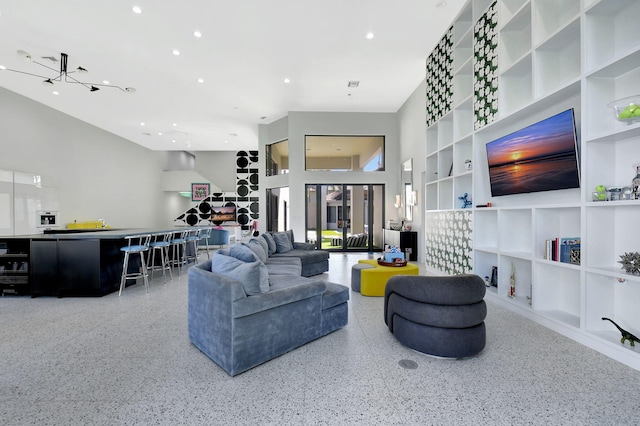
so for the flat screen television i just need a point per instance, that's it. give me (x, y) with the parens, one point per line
(223, 214)
(540, 157)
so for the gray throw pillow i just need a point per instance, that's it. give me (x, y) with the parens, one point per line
(270, 242)
(242, 252)
(283, 243)
(253, 276)
(254, 245)
(263, 244)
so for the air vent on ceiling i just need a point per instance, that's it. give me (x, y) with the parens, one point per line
(353, 83)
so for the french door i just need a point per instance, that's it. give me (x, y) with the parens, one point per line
(345, 217)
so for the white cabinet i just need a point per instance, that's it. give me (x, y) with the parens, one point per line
(551, 56)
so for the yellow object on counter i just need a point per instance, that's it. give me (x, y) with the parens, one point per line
(94, 224)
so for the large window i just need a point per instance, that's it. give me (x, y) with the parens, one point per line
(277, 155)
(344, 153)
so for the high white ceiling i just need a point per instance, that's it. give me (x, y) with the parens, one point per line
(247, 49)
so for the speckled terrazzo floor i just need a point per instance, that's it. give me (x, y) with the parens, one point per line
(127, 360)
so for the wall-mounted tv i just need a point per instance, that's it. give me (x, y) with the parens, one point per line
(540, 157)
(223, 214)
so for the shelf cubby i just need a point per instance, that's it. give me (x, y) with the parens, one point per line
(445, 194)
(463, 83)
(555, 222)
(516, 88)
(516, 232)
(462, 151)
(485, 229)
(607, 297)
(445, 131)
(613, 231)
(521, 269)
(432, 139)
(431, 196)
(462, 184)
(515, 38)
(557, 59)
(550, 16)
(432, 166)
(610, 25)
(556, 292)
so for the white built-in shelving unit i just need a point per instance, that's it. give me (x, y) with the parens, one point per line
(552, 55)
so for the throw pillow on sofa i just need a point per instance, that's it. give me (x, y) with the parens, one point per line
(257, 248)
(283, 243)
(270, 242)
(253, 276)
(242, 252)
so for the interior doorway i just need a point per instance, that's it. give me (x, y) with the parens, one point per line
(345, 217)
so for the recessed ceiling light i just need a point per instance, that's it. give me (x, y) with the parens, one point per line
(173, 141)
(175, 124)
(136, 10)
(197, 34)
(55, 93)
(2, 67)
(176, 52)
(370, 35)
(159, 133)
(201, 80)
(287, 81)
(143, 124)
(106, 82)
(226, 141)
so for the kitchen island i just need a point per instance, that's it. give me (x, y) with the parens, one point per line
(87, 263)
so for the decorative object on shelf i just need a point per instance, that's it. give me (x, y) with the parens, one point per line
(254, 228)
(63, 73)
(468, 165)
(466, 202)
(625, 334)
(630, 262)
(398, 202)
(600, 193)
(512, 281)
(626, 193)
(626, 109)
(487, 282)
(494, 276)
(635, 185)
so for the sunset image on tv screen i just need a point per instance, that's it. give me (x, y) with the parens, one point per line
(540, 157)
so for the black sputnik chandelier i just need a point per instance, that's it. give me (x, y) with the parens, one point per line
(64, 75)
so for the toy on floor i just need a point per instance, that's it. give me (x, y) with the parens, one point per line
(625, 334)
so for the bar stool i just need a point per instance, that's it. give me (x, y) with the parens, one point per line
(205, 234)
(178, 244)
(192, 237)
(160, 243)
(136, 244)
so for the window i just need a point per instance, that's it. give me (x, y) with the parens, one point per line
(277, 155)
(344, 153)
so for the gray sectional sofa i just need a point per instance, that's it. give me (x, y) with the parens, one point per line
(246, 307)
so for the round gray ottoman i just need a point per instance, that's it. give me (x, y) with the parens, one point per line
(441, 316)
(355, 275)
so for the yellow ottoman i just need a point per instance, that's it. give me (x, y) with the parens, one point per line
(373, 281)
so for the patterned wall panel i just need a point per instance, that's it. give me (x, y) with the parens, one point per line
(485, 51)
(245, 199)
(449, 241)
(439, 79)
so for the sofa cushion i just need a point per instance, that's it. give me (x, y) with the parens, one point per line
(284, 266)
(334, 295)
(256, 247)
(242, 252)
(263, 244)
(283, 243)
(270, 242)
(253, 276)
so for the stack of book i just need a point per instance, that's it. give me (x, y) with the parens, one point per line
(565, 250)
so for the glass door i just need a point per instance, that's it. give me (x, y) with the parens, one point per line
(345, 217)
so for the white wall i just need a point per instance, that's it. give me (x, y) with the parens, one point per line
(299, 124)
(413, 141)
(219, 167)
(98, 174)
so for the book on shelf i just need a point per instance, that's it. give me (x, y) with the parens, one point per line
(566, 250)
